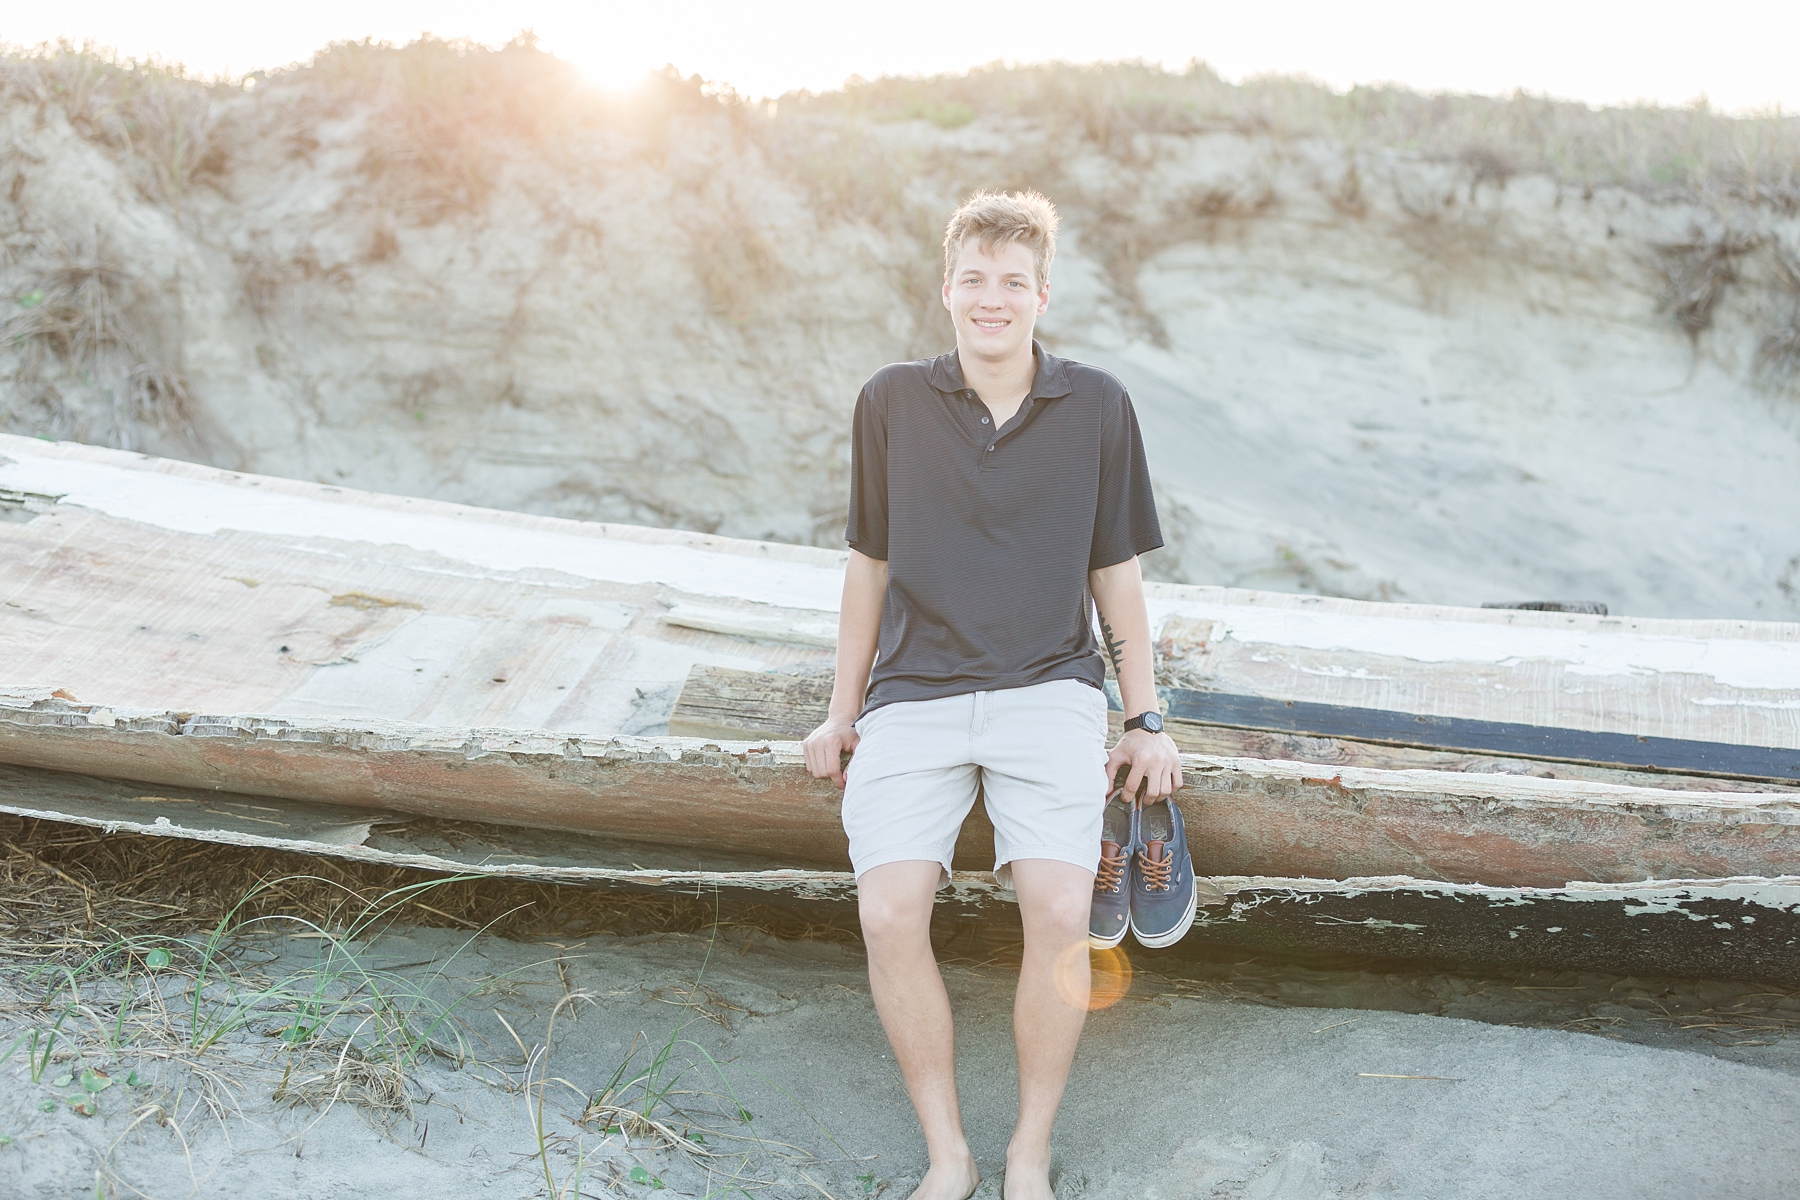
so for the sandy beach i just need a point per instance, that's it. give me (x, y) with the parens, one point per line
(1212, 1077)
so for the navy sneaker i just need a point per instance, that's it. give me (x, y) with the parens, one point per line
(1162, 878)
(1111, 915)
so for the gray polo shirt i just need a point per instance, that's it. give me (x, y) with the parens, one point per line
(989, 534)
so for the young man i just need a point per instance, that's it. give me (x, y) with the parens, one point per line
(994, 490)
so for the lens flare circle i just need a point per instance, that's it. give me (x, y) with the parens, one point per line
(1093, 979)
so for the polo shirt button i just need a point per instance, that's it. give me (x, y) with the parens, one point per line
(990, 449)
(984, 420)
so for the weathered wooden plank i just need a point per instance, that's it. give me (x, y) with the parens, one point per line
(121, 806)
(721, 702)
(1736, 682)
(171, 585)
(1744, 928)
(1245, 816)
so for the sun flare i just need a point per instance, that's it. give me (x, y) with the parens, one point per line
(1108, 976)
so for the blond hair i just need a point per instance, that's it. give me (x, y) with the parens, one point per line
(997, 219)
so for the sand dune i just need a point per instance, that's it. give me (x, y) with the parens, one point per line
(1374, 358)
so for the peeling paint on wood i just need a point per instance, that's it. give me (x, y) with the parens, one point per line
(1245, 816)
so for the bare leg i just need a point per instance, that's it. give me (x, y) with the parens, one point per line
(895, 903)
(1049, 1010)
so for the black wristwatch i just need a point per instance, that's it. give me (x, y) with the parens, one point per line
(1149, 722)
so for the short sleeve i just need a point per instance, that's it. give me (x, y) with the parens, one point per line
(1125, 523)
(867, 527)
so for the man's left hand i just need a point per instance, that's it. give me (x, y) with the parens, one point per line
(1153, 759)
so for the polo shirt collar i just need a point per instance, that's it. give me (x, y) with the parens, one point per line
(1051, 380)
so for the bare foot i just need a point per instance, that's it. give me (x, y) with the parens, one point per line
(954, 1179)
(1027, 1177)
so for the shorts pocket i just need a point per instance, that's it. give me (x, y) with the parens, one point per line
(1097, 707)
(872, 718)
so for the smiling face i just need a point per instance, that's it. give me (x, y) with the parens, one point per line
(995, 300)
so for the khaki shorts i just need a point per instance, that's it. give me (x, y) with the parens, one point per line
(1037, 755)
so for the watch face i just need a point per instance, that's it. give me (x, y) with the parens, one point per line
(1151, 722)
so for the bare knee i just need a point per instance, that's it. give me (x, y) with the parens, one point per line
(1055, 901)
(889, 920)
(1058, 918)
(894, 901)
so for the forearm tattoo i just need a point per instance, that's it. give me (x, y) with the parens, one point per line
(1115, 647)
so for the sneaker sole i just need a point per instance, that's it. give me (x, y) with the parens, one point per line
(1162, 940)
(1095, 941)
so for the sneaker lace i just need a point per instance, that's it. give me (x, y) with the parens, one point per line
(1112, 867)
(1158, 871)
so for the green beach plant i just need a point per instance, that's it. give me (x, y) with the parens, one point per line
(353, 1030)
(371, 1024)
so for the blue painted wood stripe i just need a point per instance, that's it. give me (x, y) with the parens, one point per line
(1623, 750)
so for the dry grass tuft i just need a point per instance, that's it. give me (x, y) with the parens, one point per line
(351, 1075)
(1778, 358)
(82, 326)
(1697, 271)
(1779, 355)
(158, 119)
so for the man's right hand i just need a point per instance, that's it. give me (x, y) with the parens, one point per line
(826, 747)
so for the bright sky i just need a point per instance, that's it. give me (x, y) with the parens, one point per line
(1740, 54)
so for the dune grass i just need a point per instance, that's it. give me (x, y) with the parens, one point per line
(156, 117)
(1690, 152)
(449, 111)
(137, 974)
(118, 987)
